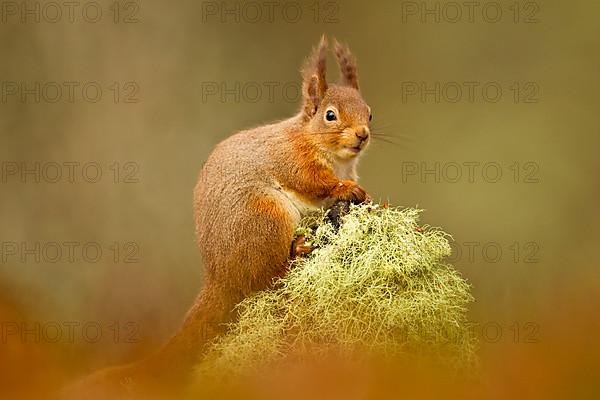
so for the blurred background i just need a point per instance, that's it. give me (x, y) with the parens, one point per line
(108, 111)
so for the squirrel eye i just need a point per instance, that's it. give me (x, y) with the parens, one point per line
(370, 117)
(330, 115)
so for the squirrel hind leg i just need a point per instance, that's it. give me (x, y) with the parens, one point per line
(263, 238)
(299, 247)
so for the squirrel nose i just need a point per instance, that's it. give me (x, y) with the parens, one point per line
(362, 133)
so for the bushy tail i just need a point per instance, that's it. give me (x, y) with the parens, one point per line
(168, 369)
(204, 321)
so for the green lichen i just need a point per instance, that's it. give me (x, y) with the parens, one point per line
(378, 285)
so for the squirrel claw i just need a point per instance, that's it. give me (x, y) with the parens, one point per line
(350, 191)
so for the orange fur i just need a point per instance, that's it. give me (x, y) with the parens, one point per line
(251, 193)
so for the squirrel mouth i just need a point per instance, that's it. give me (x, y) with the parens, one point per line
(356, 148)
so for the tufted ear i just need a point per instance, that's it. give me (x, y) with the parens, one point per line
(314, 83)
(347, 63)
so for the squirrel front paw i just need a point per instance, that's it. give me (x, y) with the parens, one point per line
(350, 191)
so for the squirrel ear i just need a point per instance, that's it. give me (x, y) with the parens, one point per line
(347, 63)
(311, 96)
(313, 73)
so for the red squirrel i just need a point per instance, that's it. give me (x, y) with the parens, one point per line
(251, 193)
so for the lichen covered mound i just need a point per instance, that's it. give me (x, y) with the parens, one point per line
(379, 284)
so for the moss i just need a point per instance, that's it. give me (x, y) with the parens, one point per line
(378, 285)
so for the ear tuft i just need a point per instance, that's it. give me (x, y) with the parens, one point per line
(311, 96)
(314, 83)
(347, 63)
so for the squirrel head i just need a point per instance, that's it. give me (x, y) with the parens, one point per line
(337, 118)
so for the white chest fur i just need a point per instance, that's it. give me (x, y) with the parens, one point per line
(346, 169)
(295, 204)
(301, 205)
